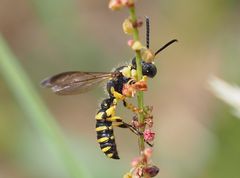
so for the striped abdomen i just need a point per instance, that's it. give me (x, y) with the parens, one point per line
(105, 138)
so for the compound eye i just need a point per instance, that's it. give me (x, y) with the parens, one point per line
(149, 69)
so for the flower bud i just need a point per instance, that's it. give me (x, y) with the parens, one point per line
(115, 4)
(135, 162)
(127, 27)
(127, 2)
(137, 46)
(140, 85)
(138, 23)
(148, 135)
(130, 42)
(128, 90)
(148, 56)
(136, 124)
(148, 152)
(149, 121)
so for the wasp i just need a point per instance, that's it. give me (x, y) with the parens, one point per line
(121, 84)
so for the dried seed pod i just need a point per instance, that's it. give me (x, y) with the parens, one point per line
(151, 171)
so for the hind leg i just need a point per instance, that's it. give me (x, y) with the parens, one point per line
(132, 129)
(118, 122)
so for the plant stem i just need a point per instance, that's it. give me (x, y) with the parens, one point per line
(35, 109)
(139, 77)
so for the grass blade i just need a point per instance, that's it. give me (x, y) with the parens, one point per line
(35, 109)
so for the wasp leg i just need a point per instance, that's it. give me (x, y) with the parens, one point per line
(135, 131)
(118, 122)
(131, 107)
(117, 95)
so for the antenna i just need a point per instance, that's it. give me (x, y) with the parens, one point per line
(148, 37)
(147, 31)
(165, 46)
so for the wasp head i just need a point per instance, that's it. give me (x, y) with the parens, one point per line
(148, 69)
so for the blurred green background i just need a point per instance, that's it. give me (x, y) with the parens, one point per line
(196, 135)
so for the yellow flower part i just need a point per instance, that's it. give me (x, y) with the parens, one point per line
(148, 55)
(126, 71)
(127, 27)
(137, 46)
(127, 175)
(115, 5)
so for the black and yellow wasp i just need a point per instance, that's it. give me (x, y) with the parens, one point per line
(75, 82)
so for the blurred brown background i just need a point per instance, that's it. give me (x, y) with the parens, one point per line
(196, 134)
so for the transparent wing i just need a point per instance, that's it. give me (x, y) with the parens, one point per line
(69, 83)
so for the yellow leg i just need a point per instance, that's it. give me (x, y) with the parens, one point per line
(117, 95)
(131, 107)
(114, 119)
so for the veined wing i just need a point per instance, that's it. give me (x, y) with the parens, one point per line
(75, 82)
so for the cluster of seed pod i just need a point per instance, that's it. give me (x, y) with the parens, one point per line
(142, 166)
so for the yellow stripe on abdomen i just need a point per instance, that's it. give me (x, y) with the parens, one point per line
(101, 128)
(110, 155)
(103, 139)
(106, 149)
